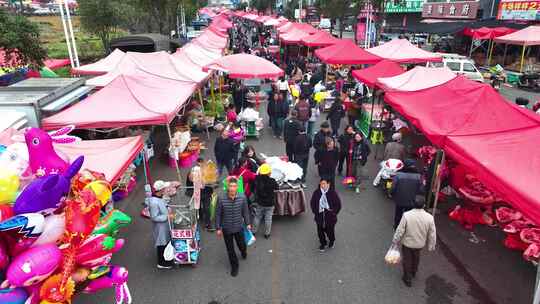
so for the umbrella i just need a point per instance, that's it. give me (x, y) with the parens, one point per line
(245, 66)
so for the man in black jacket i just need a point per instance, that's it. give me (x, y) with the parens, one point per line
(406, 184)
(291, 129)
(231, 214)
(265, 187)
(319, 141)
(345, 149)
(302, 145)
(224, 152)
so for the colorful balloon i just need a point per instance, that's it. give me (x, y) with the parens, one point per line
(9, 184)
(53, 230)
(112, 222)
(13, 296)
(4, 256)
(102, 190)
(97, 249)
(29, 225)
(44, 194)
(6, 211)
(33, 266)
(116, 276)
(15, 159)
(51, 292)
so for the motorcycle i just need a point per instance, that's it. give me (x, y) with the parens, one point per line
(389, 168)
(530, 81)
(497, 77)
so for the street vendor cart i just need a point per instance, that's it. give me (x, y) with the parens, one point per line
(185, 231)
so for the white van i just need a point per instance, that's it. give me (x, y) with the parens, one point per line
(325, 24)
(459, 64)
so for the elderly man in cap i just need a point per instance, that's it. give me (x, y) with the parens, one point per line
(393, 150)
(159, 214)
(265, 187)
(406, 185)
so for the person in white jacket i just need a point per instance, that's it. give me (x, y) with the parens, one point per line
(415, 230)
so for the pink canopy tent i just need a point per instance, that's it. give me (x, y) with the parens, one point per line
(128, 100)
(287, 26)
(160, 64)
(419, 78)
(527, 36)
(221, 32)
(245, 66)
(346, 52)
(293, 36)
(222, 21)
(198, 54)
(188, 64)
(101, 66)
(108, 156)
(402, 51)
(486, 33)
(262, 19)
(482, 131)
(384, 68)
(319, 39)
(272, 22)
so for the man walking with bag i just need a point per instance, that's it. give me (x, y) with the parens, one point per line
(231, 214)
(415, 230)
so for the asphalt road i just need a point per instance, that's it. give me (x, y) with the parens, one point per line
(288, 268)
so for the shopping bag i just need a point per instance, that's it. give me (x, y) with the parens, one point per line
(212, 208)
(168, 253)
(248, 236)
(393, 255)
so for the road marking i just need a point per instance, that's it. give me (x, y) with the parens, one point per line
(276, 293)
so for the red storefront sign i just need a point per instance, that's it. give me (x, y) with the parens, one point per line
(450, 10)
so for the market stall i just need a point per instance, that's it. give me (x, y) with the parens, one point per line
(527, 37)
(402, 51)
(101, 66)
(319, 39)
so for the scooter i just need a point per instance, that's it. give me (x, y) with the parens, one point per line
(530, 81)
(496, 80)
(389, 168)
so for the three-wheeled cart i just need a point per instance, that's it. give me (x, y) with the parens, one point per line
(185, 231)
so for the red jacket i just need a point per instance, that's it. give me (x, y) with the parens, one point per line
(248, 177)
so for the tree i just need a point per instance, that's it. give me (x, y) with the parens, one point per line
(19, 40)
(338, 10)
(102, 18)
(262, 5)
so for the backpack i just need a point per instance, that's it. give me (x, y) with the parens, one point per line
(304, 111)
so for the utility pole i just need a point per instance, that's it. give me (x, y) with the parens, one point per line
(300, 11)
(66, 35)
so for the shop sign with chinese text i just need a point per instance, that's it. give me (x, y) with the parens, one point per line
(408, 6)
(450, 10)
(519, 10)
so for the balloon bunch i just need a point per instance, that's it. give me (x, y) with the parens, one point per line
(57, 230)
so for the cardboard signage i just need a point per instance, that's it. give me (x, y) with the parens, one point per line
(450, 10)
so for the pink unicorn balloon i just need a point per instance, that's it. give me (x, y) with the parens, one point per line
(43, 159)
(117, 278)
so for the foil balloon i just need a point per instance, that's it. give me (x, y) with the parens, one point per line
(15, 159)
(101, 189)
(112, 222)
(51, 292)
(4, 256)
(9, 184)
(53, 230)
(96, 250)
(43, 159)
(21, 231)
(6, 211)
(13, 296)
(33, 266)
(117, 278)
(44, 194)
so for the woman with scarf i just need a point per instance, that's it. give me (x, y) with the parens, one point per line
(325, 205)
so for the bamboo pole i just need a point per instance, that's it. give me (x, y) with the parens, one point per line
(490, 53)
(437, 184)
(522, 59)
(175, 160)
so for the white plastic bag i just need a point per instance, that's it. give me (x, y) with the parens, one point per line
(168, 253)
(393, 256)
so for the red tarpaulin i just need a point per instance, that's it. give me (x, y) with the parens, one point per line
(101, 66)
(293, 36)
(484, 33)
(527, 36)
(384, 68)
(346, 52)
(417, 79)
(129, 100)
(54, 64)
(319, 39)
(494, 138)
(402, 51)
(245, 66)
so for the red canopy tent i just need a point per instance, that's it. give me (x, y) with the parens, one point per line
(495, 139)
(383, 68)
(484, 33)
(245, 66)
(294, 36)
(419, 78)
(129, 100)
(346, 52)
(402, 51)
(54, 64)
(319, 39)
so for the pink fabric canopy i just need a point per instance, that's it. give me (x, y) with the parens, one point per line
(108, 156)
(285, 27)
(101, 66)
(417, 79)
(484, 33)
(527, 36)
(346, 52)
(245, 66)
(129, 100)
(478, 128)
(319, 39)
(54, 64)
(402, 51)
(293, 36)
(384, 68)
